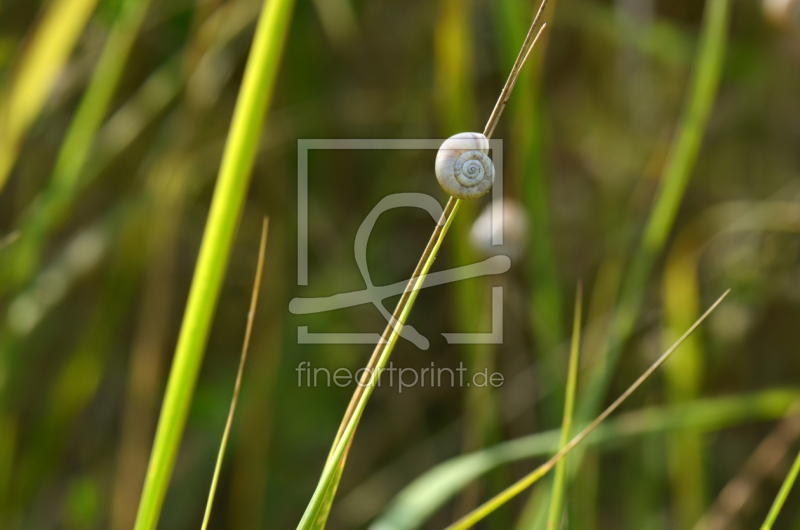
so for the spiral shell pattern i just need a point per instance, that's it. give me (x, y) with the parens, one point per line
(463, 167)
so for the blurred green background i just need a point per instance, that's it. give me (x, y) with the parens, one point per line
(113, 115)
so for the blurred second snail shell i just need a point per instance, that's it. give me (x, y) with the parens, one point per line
(514, 229)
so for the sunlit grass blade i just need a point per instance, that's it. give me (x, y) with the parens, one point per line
(24, 93)
(490, 506)
(559, 483)
(238, 384)
(226, 207)
(786, 487)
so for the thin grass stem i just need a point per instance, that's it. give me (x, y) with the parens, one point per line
(521, 485)
(9, 240)
(238, 385)
(328, 482)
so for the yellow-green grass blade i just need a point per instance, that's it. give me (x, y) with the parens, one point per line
(786, 487)
(325, 509)
(226, 206)
(25, 92)
(238, 385)
(327, 479)
(469, 520)
(559, 482)
(71, 159)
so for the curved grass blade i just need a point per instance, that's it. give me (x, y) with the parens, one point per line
(428, 493)
(521, 485)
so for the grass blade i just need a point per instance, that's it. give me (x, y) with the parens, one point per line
(373, 371)
(23, 98)
(238, 385)
(684, 152)
(490, 506)
(737, 498)
(54, 203)
(426, 494)
(326, 487)
(226, 206)
(559, 483)
(786, 487)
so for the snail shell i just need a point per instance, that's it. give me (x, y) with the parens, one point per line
(463, 167)
(513, 229)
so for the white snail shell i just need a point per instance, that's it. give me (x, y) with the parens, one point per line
(463, 167)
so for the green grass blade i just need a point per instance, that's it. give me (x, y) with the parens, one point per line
(226, 206)
(238, 385)
(327, 503)
(559, 483)
(327, 479)
(469, 520)
(786, 487)
(684, 152)
(24, 96)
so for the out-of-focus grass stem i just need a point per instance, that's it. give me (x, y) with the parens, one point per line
(71, 159)
(685, 150)
(559, 482)
(24, 93)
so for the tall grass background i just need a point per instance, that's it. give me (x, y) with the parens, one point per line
(653, 146)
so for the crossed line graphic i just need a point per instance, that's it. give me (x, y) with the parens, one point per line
(376, 294)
